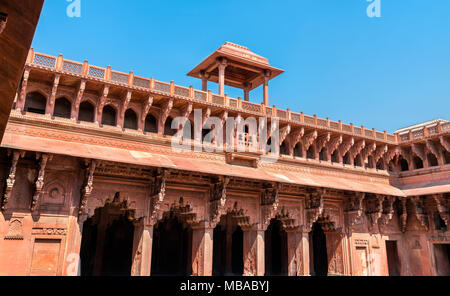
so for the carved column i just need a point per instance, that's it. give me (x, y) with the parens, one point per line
(126, 102)
(101, 104)
(87, 188)
(165, 111)
(23, 92)
(205, 77)
(202, 250)
(39, 184)
(16, 155)
(142, 249)
(253, 252)
(51, 102)
(297, 241)
(267, 75)
(146, 108)
(76, 105)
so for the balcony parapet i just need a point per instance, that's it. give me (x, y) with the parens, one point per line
(107, 75)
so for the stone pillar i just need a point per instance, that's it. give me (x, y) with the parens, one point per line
(222, 66)
(266, 88)
(202, 251)
(254, 252)
(298, 253)
(142, 250)
(246, 92)
(204, 84)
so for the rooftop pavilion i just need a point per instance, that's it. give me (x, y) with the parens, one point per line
(235, 65)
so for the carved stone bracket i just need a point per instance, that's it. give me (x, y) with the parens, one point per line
(442, 204)
(147, 105)
(334, 144)
(158, 193)
(242, 219)
(293, 139)
(419, 150)
(184, 212)
(388, 210)
(218, 200)
(39, 184)
(354, 208)
(309, 139)
(269, 203)
(445, 142)
(346, 146)
(80, 93)
(87, 187)
(374, 209)
(313, 207)
(419, 211)
(403, 214)
(16, 155)
(322, 141)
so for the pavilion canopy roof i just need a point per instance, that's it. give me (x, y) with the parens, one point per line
(243, 67)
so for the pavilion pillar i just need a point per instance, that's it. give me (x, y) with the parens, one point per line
(222, 67)
(202, 251)
(254, 252)
(266, 88)
(205, 78)
(246, 92)
(142, 249)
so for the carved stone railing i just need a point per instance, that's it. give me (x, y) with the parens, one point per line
(128, 79)
(421, 133)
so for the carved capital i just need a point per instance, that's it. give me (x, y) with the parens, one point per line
(419, 211)
(313, 207)
(87, 188)
(157, 195)
(218, 199)
(442, 205)
(269, 203)
(16, 155)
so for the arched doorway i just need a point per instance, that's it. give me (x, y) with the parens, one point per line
(318, 251)
(276, 249)
(228, 248)
(168, 131)
(172, 247)
(107, 241)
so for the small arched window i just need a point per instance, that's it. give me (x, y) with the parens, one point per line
(311, 152)
(403, 165)
(284, 149)
(35, 103)
(432, 160)
(151, 125)
(130, 120)
(418, 163)
(168, 131)
(62, 108)
(109, 116)
(86, 112)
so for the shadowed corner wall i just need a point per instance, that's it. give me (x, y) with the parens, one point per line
(15, 42)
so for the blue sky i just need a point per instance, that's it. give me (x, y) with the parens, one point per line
(384, 73)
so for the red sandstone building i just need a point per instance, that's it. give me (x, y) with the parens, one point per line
(88, 172)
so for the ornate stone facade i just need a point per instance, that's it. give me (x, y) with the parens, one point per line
(88, 172)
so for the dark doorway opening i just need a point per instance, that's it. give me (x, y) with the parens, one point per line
(109, 116)
(35, 103)
(442, 259)
(63, 108)
(171, 253)
(228, 248)
(86, 112)
(276, 249)
(392, 258)
(107, 243)
(319, 251)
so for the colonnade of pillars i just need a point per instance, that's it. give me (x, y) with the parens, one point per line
(116, 246)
